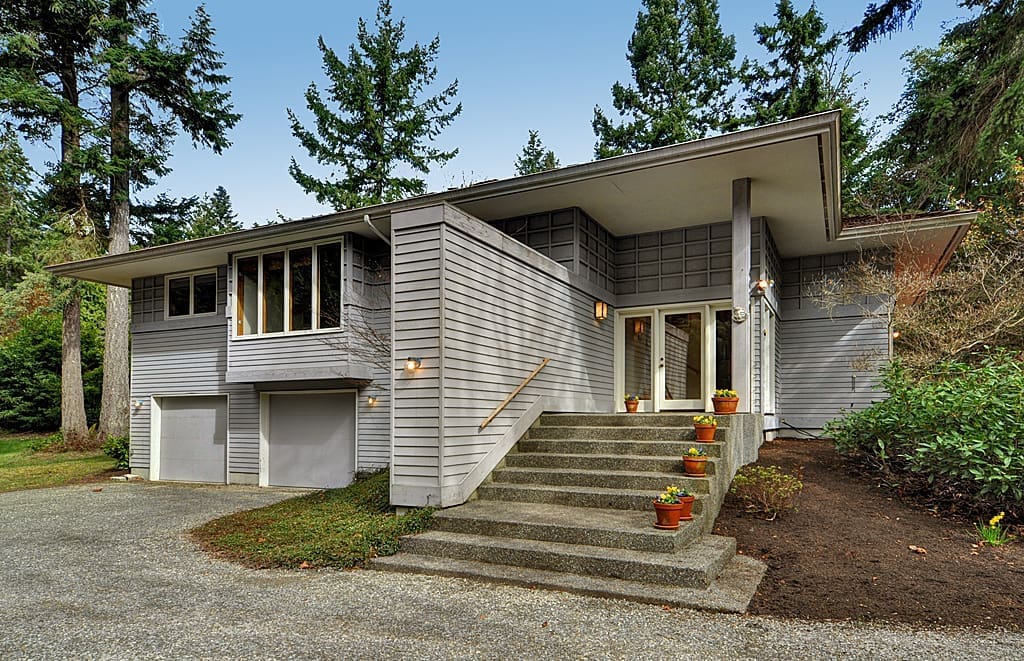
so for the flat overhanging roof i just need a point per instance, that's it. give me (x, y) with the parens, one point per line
(793, 167)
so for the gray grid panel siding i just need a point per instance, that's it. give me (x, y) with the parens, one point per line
(552, 234)
(689, 258)
(416, 292)
(502, 318)
(596, 260)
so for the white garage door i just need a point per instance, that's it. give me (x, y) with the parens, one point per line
(311, 439)
(193, 438)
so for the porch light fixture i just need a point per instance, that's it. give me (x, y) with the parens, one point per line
(371, 400)
(896, 334)
(600, 310)
(413, 363)
(639, 327)
(137, 404)
(762, 285)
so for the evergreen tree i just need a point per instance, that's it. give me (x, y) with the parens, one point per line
(801, 76)
(374, 118)
(213, 215)
(17, 229)
(534, 158)
(960, 120)
(881, 20)
(103, 74)
(682, 67)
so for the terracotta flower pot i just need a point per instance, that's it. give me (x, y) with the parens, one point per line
(668, 515)
(631, 405)
(687, 503)
(705, 433)
(695, 466)
(725, 405)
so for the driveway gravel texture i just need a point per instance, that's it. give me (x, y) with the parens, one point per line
(111, 574)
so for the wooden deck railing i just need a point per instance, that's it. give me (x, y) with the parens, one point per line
(512, 395)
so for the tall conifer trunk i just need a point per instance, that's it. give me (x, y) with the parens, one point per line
(114, 405)
(70, 196)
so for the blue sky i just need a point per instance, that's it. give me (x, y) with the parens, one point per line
(520, 65)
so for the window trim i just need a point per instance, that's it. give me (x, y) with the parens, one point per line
(191, 275)
(315, 281)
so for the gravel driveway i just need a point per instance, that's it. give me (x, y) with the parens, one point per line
(111, 575)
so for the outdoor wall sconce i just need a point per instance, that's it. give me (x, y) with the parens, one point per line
(761, 286)
(413, 363)
(639, 327)
(600, 310)
(371, 400)
(137, 404)
(896, 334)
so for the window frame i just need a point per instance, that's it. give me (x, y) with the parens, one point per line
(191, 275)
(315, 281)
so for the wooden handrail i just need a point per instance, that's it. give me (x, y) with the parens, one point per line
(494, 414)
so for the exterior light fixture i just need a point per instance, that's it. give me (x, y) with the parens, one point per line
(600, 310)
(371, 400)
(896, 334)
(137, 403)
(762, 285)
(413, 363)
(639, 327)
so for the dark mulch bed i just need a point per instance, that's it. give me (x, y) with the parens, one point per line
(844, 554)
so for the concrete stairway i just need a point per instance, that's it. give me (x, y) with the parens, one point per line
(570, 509)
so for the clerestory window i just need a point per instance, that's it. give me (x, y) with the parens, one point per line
(191, 294)
(289, 290)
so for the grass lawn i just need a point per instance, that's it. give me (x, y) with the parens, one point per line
(334, 528)
(23, 468)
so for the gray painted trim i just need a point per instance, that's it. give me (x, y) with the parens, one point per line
(654, 299)
(353, 371)
(441, 358)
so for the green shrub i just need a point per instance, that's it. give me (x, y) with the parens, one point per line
(766, 489)
(46, 442)
(30, 377)
(960, 428)
(117, 448)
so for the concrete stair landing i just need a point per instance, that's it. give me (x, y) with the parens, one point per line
(570, 509)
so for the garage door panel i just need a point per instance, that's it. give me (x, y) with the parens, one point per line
(311, 440)
(193, 438)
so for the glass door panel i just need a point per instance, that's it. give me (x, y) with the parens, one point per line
(723, 349)
(638, 352)
(682, 361)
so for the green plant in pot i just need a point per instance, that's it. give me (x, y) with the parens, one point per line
(695, 462)
(632, 402)
(705, 426)
(725, 401)
(672, 506)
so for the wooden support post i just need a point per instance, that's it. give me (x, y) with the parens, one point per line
(741, 363)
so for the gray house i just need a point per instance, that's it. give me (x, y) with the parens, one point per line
(300, 353)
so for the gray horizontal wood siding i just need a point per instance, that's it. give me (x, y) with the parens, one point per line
(828, 361)
(482, 312)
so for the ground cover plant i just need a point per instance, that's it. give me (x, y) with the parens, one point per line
(24, 466)
(951, 437)
(766, 490)
(338, 528)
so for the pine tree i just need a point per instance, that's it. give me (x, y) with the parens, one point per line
(534, 158)
(373, 118)
(17, 230)
(682, 67)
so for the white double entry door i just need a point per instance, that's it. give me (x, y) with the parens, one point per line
(672, 357)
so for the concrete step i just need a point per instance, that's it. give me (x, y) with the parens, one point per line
(695, 566)
(622, 529)
(598, 462)
(624, 420)
(592, 446)
(617, 499)
(605, 479)
(730, 592)
(619, 433)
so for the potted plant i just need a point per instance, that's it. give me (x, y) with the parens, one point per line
(672, 506)
(632, 401)
(725, 401)
(695, 462)
(705, 426)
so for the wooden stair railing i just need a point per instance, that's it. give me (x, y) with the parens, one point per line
(512, 395)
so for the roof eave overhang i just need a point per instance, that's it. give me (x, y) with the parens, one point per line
(824, 126)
